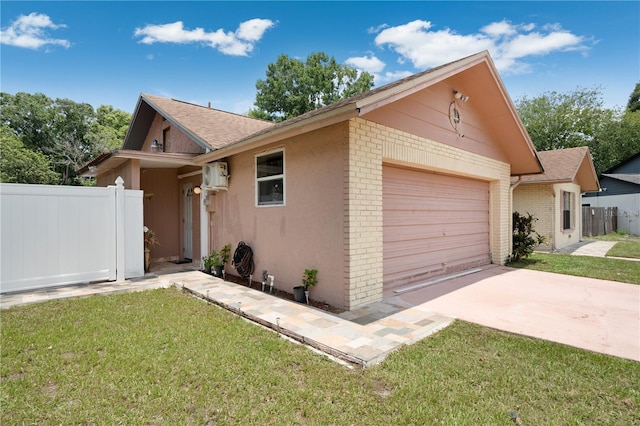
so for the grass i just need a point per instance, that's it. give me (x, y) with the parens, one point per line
(162, 357)
(626, 246)
(626, 271)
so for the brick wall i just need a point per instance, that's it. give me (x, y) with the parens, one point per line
(537, 200)
(370, 145)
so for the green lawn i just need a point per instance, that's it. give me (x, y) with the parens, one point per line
(626, 271)
(626, 246)
(163, 357)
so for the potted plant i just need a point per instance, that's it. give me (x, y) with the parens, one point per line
(208, 263)
(150, 240)
(225, 254)
(216, 263)
(309, 279)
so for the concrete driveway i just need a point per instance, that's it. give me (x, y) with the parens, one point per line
(597, 315)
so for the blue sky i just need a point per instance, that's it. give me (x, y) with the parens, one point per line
(107, 53)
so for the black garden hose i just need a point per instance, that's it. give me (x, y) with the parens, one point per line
(243, 260)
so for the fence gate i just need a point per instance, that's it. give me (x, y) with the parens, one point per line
(599, 220)
(55, 235)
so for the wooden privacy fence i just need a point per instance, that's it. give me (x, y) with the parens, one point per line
(599, 220)
(54, 235)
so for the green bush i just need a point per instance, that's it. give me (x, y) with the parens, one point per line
(525, 238)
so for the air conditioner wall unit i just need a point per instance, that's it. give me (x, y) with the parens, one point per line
(215, 176)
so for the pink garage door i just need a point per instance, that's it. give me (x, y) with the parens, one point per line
(433, 225)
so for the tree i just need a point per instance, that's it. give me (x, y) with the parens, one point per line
(293, 87)
(68, 133)
(566, 120)
(110, 128)
(22, 165)
(634, 100)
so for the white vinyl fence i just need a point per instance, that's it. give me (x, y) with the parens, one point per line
(55, 235)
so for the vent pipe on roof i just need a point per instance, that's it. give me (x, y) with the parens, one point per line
(209, 105)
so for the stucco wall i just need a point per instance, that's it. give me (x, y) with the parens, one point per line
(161, 212)
(305, 233)
(564, 238)
(176, 141)
(129, 171)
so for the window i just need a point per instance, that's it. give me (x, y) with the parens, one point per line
(566, 210)
(270, 179)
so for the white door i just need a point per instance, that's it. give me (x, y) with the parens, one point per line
(187, 192)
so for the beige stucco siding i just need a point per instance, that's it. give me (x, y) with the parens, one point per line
(307, 232)
(572, 235)
(371, 144)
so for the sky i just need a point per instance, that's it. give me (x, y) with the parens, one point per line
(107, 53)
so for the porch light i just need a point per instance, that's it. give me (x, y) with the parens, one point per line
(197, 190)
(155, 145)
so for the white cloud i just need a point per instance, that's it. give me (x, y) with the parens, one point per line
(30, 32)
(508, 44)
(370, 64)
(238, 43)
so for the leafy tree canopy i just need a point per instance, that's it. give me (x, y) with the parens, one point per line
(578, 118)
(293, 87)
(67, 133)
(634, 100)
(22, 165)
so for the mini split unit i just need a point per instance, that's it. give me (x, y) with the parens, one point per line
(215, 176)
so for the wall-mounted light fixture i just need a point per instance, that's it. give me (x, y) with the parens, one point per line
(197, 190)
(156, 146)
(459, 96)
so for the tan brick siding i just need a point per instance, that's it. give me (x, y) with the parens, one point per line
(370, 145)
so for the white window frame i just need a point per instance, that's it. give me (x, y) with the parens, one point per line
(268, 178)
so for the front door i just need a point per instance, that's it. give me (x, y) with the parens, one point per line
(187, 219)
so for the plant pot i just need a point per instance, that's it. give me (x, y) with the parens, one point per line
(217, 271)
(299, 294)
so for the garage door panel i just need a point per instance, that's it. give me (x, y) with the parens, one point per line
(437, 248)
(433, 225)
(408, 233)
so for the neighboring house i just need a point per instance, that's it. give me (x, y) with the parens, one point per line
(401, 184)
(554, 197)
(620, 188)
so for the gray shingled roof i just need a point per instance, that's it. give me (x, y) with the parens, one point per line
(631, 178)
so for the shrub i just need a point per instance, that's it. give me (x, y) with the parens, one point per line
(525, 238)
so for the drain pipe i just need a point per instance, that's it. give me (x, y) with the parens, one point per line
(513, 186)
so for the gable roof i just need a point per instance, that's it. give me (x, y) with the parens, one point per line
(630, 178)
(517, 146)
(210, 128)
(566, 166)
(631, 164)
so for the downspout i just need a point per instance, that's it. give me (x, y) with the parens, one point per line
(513, 186)
(204, 226)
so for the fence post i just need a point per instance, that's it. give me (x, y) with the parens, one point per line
(120, 247)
